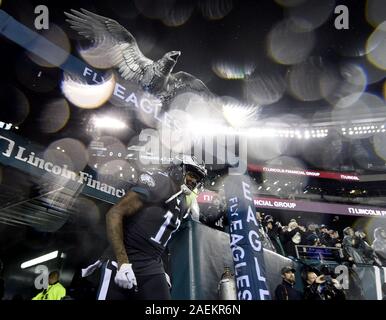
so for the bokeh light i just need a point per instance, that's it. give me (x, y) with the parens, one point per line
(179, 14)
(68, 151)
(117, 170)
(375, 12)
(58, 37)
(326, 153)
(288, 43)
(216, 9)
(312, 13)
(87, 96)
(103, 149)
(58, 158)
(304, 79)
(101, 54)
(262, 147)
(343, 85)
(373, 74)
(379, 142)
(265, 87)
(377, 40)
(54, 116)
(232, 71)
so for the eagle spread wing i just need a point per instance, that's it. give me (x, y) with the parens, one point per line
(181, 82)
(126, 55)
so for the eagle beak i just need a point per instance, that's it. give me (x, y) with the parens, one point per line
(174, 55)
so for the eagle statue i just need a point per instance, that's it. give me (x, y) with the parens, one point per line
(155, 77)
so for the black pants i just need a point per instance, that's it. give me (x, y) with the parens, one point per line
(150, 287)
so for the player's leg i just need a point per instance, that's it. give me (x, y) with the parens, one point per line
(153, 287)
(108, 290)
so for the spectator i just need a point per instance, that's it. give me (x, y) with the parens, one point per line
(274, 230)
(351, 246)
(364, 248)
(335, 240)
(214, 215)
(311, 236)
(322, 287)
(324, 236)
(379, 244)
(292, 237)
(313, 240)
(54, 291)
(263, 236)
(286, 290)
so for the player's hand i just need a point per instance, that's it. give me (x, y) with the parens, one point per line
(125, 277)
(91, 268)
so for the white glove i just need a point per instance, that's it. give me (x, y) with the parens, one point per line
(125, 277)
(91, 268)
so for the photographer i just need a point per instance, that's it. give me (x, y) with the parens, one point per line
(322, 287)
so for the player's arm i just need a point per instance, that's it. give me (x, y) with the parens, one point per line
(127, 206)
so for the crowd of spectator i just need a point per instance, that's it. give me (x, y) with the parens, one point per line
(353, 245)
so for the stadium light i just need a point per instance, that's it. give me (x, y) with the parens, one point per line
(43, 258)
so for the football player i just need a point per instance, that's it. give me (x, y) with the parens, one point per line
(140, 226)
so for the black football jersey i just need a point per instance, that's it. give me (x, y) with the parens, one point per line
(147, 232)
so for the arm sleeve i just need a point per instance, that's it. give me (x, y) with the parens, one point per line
(38, 296)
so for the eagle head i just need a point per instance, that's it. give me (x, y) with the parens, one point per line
(173, 55)
(168, 61)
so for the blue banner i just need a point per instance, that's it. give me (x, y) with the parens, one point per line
(245, 242)
(28, 157)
